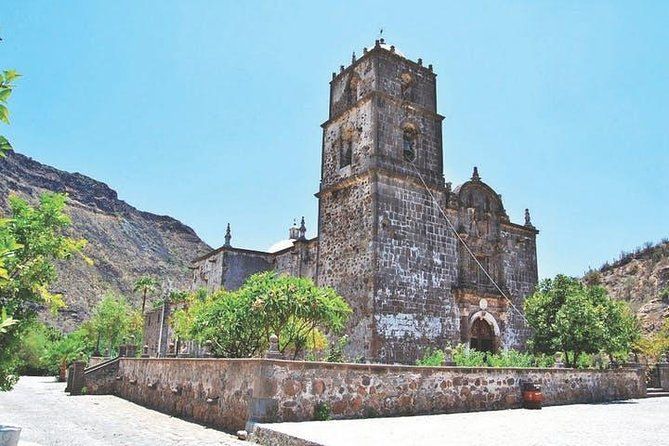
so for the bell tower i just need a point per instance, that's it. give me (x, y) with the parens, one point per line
(379, 231)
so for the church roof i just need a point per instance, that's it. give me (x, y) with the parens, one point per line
(281, 245)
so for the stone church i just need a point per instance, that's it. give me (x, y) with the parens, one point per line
(421, 263)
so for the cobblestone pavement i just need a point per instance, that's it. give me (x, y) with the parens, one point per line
(634, 422)
(49, 416)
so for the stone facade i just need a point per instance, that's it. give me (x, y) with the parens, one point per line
(234, 393)
(421, 263)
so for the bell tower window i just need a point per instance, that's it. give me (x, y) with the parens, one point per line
(352, 90)
(409, 144)
(346, 153)
(407, 87)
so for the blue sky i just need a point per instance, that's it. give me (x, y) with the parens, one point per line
(210, 111)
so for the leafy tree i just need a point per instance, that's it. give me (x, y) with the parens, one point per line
(31, 241)
(73, 346)
(145, 285)
(115, 321)
(240, 323)
(569, 316)
(7, 78)
(37, 340)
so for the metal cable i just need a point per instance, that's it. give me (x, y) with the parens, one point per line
(464, 243)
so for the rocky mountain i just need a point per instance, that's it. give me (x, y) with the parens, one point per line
(642, 279)
(123, 242)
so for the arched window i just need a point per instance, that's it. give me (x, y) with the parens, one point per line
(409, 143)
(345, 153)
(352, 89)
(407, 86)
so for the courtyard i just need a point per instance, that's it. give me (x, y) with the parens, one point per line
(50, 417)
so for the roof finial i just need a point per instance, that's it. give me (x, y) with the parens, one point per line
(303, 230)
(294, 231)
(475, 175)
(528, 220)
(228, 237)
(353, 57)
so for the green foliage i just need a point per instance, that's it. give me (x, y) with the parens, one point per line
(432, 358)
(73, 346)
(115, 322)
(664, 294)
(654, 345)
(336, 350)
(31, 241)
(574, 318)
(7, 78)
(322, 412)
(240, 323)
(464, 356)
(145, 285)
(592, 277)
(511, 358)
(38, 339)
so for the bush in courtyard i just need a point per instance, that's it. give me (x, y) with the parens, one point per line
(432, 358)
(464, 356)
(511, 358)
(239, 323)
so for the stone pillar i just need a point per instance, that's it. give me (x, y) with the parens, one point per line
(68, 386)
(264, 405)
(273, 352)
(663, 372)
(78, 381)
(448, 356)
(131, 350)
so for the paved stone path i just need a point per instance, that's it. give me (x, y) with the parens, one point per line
(49, 416)
(634, 422)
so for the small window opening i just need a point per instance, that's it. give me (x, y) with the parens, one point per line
(407, 86)
(346, 155)
(409, 144)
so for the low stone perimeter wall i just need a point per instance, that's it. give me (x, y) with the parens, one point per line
(230, 394)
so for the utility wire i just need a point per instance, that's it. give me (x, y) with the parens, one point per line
(465, 244)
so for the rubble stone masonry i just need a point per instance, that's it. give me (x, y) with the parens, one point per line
(232, 394)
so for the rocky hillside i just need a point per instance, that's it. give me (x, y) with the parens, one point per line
(123, 242)
(642, 279)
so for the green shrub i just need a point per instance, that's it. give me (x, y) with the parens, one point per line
(322, 412)
(432, 358)
(336, 350)
(464, 356)
(544, 360)
(511, 358)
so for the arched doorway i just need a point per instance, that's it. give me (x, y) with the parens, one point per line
(482, 336)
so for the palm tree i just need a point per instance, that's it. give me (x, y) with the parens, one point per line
(145, 284)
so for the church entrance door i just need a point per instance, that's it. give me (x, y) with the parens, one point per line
(482, 336)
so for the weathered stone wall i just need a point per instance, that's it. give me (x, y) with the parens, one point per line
(417, 268)
(663, 373)
(346, 256)
(100, 379)
(226, 393)
(298, 261)
(210, 391)
(156, 330)
(356, 391)
(228, 268)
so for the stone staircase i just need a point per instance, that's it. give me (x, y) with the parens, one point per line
(656, 392)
